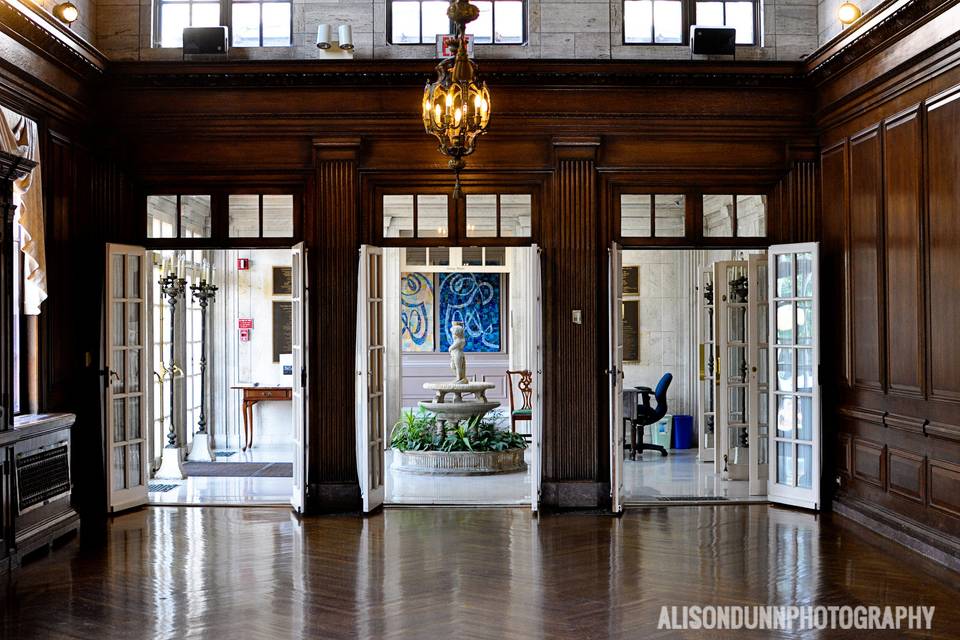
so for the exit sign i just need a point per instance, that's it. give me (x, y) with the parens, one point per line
(245, 323)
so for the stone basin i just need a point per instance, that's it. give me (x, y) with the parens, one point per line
(459, 410)
(458, 389)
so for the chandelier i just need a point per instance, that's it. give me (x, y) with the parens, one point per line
(456, 107)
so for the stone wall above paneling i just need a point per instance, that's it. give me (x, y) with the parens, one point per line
(557, 29)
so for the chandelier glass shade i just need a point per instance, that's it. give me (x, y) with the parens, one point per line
(456, 106)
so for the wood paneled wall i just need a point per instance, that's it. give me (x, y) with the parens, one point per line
(890, 228)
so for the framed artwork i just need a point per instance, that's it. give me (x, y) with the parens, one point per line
(282, 281)
(416, 312)
(472, 299)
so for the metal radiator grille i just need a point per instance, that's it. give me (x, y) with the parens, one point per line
(43, 476)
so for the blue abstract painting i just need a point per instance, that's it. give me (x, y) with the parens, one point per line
(416, 312)
(472, 299)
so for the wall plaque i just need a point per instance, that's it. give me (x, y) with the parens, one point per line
(282, 281)
(282, 329)
(631, 280)
(631, 330)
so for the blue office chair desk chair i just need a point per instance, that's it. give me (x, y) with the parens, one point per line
(646, 414)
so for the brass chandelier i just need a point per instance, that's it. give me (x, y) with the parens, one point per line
(456, 107)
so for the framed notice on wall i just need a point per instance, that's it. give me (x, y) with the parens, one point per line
(631, 330)
(282, 329)
(282, 281)
(631, 280)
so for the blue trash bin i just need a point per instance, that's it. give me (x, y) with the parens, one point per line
(682, 432)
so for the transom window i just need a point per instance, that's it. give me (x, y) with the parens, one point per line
(421, 21)
(648, 215)
(498, 215)
(221, 216)
(675, 218)
(251, 23)
(669, 21)
(416, 216)
(734, 216)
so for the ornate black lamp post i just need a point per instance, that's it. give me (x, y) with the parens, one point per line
(171, 288)
(203, 293)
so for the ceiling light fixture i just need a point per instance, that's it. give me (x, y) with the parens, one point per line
(66, 12)
(456, 106)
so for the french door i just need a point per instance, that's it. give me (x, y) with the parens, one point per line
(125, 443)
(731, 291)
(707, 379)
(370, 404)
(758, 409)
(615, 373)
(535, 359)
(794, 360)
(298, 344)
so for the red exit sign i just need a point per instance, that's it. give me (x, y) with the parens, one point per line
(245, 323)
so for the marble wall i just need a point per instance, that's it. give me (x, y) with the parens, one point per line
(584, 29)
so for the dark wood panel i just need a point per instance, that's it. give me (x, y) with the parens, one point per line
(868, 462)
(944, 486)
(904, 281)
(943, 193)
(865, 214)
(845, 455)
(906, 474)
(834, 235)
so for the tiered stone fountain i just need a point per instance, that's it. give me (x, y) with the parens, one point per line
(448, 413)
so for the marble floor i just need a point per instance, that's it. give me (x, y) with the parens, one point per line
(678, 474)
(226, 491)
(500, 489)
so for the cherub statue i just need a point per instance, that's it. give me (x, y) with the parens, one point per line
(458, 362)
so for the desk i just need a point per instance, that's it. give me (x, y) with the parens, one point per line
(251, 396)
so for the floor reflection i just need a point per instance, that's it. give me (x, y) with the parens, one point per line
(237, 573)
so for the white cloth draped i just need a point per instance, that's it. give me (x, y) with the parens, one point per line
(18, 135)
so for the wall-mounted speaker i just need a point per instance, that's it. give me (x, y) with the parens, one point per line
(713, 41)
(205, 40)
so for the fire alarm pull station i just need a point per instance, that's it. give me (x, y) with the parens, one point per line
(244, 335)
(244, 325)
(243, 264)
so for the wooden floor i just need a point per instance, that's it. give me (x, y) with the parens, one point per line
(439, 574)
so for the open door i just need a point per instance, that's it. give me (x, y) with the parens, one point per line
(370, 404)
(535, 313)
(615, 372)
(707, 380)
(124, 368)
(794, 316)
(758, 429)
(731, 291)
(298, 343)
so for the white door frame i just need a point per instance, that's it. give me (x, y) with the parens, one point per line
(130, 490)
(370, 402)
(784, 428)
(615, 374)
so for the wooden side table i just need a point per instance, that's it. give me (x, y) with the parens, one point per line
(251, 396)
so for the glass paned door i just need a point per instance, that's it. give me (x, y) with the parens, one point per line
(298, 342)
(535, 313)
(731, 292)
(125, 358)
(615, 375)
(707, 379)
(794, 376)
(758, 435)
(370, 401)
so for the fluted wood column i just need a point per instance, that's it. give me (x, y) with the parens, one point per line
(570, 236)
(334, 234)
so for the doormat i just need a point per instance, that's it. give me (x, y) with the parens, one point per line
(692, 498)
(239, 469)
(156, 487)
(224, 454)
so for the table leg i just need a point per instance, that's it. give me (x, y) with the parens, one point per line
(245, 408)
(251, 425)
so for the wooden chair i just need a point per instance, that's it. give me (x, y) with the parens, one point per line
(525, 384)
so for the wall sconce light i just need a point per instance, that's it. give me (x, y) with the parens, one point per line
(323, 36)
(848, 13)
(340, 47)
(345, 33)
(66, 12)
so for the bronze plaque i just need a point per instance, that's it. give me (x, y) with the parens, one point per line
(282, 329)
(631, 280)
(282, 281)
(631, 330)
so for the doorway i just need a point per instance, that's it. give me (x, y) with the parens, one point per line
(415, 295)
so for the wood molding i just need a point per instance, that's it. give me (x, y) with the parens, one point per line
(942, 430)
(906, 474)
(45, 35)
(869, 462)
(944, 486)
(909, 424)
(872, 416)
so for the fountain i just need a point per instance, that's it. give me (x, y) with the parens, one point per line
(467, 403)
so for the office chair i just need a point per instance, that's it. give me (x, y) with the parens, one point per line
(648, 415)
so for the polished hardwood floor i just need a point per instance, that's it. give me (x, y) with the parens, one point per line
(238, 573)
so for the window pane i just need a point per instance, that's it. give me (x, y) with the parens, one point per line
(482, 215)
(246, 24)
(244, 216)
(508, 26)
(432, 216)
(434, 20)
(206, 14)
(751, 216)
(635, 215)
(195, 216)
(637, 21)
(276, 24)
(667, 22)
(740, 17)
(670, 214)
(515, 211)
(161, 216)
(405, 18)
(173, 19)
(397, 216)
(278, 216)
(482, 27)
(717, 216)
(710, 14)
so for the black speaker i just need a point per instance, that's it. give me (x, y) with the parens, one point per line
(713, 41)
(204, 40)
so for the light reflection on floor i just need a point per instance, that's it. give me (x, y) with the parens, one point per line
(679, 474)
